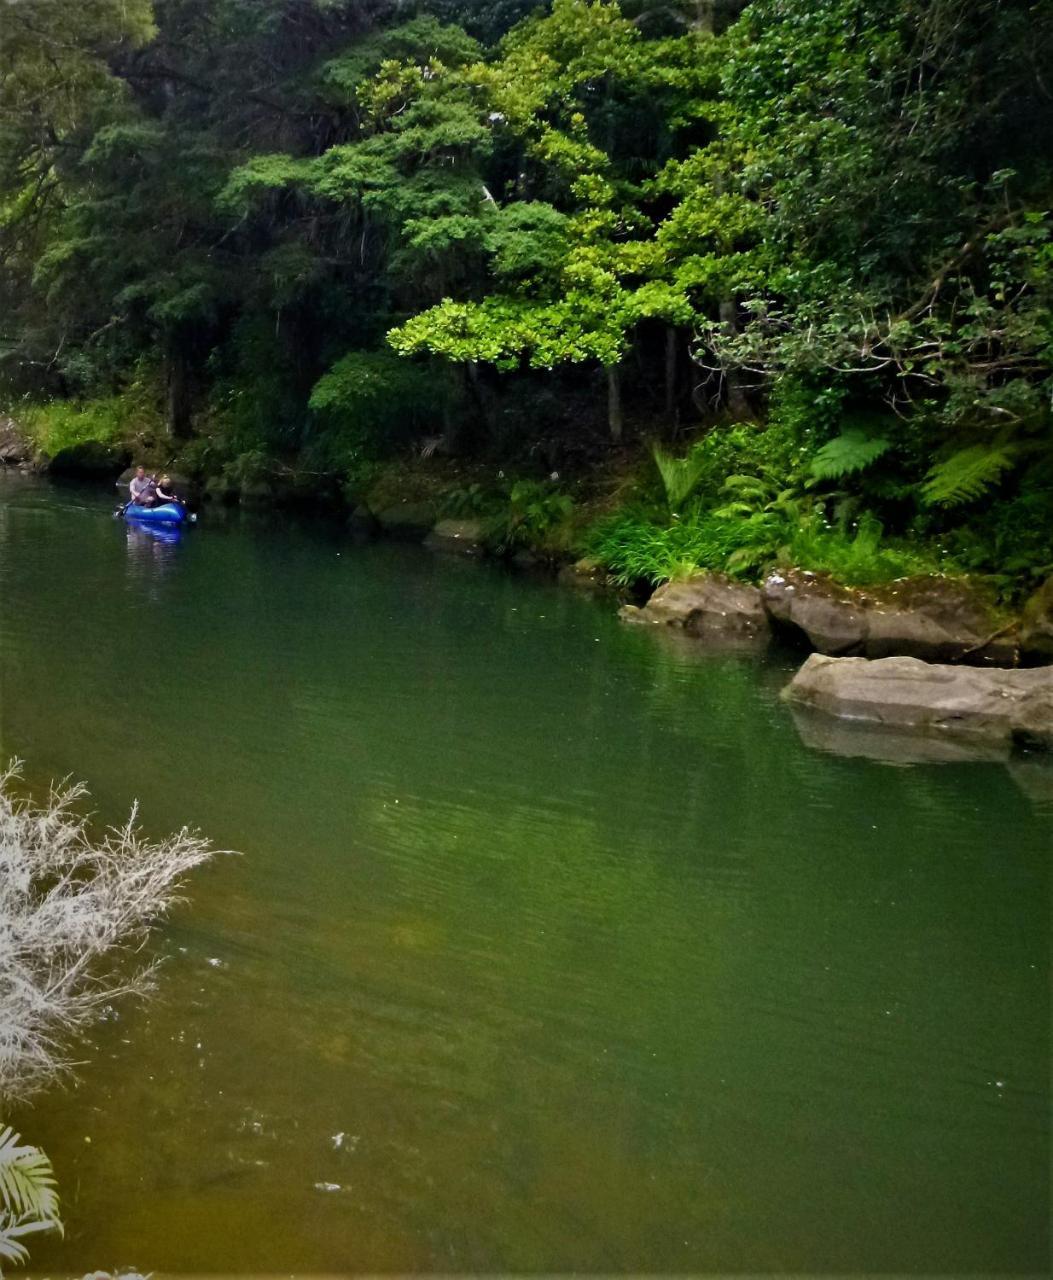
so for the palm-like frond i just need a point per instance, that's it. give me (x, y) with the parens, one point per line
(967, 474)
(680, 476)
(28, 1199)
(851, 451)
(27, 1180)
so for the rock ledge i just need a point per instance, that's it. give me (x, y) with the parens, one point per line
(1011, 707)
(938, 619)
(707, 604)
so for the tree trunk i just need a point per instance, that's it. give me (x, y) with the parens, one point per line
(614, 402)
(177, 389)
(482, 396)
(737, 402)
(705, 15)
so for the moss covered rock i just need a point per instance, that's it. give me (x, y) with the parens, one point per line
(933, 618)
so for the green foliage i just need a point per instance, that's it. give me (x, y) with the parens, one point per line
(968, 473)
(862, 558)
(680, 476)
(1013, 542)
(384, 65)
(846, 207)
(470, 500)
(28, 1200)
(61, 424)
(634, 547)
(251, 467)
(370, 401)
(535, 511)
(132, 415)
(851, 451)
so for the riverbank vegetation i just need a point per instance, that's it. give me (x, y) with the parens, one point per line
(710, 285)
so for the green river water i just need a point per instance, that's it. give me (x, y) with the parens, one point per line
(550, 946)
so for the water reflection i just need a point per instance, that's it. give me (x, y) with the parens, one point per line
(856, 740)
(551, 947)
(152, 550)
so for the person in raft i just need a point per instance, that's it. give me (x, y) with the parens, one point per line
(162, 491)
(143, 489)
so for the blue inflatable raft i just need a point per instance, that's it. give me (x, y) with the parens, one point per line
(167, 513)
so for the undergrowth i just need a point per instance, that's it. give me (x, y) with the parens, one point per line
(132, 415)
(635, 547)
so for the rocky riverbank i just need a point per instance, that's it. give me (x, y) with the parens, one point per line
(933, 657)
(937, 619)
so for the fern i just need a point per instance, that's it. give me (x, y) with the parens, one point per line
(851, 451)
(680, 476)
(28, 1200)
(967, 474)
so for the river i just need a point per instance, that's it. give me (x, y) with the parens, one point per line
(548, 945)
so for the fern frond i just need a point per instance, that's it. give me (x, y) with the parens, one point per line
(851, 451)
(967, 474)
(27, 1180)
(10, 1249)
(680, 476)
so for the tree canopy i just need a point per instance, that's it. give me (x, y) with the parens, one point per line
(693, 212)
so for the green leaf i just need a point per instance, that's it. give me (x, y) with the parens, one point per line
(680, 476)
(27, 1181)
(967, 474)
(851, 451)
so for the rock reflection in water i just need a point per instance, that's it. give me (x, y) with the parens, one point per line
(857, 740)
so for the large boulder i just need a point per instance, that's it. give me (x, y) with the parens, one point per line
(827, 616)
(1000, 706)
(1036, 625)
(463, 537)
(706, 604)
(938, 619)
(410, 520)
(92, 460)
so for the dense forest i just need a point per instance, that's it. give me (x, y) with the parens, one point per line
(679, 285)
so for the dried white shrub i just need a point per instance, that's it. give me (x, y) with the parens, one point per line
(72, 905)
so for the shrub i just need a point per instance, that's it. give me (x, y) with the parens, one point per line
(862, 557)
(368, 403)
(132, 414)
(535, 511)
(70, 903)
